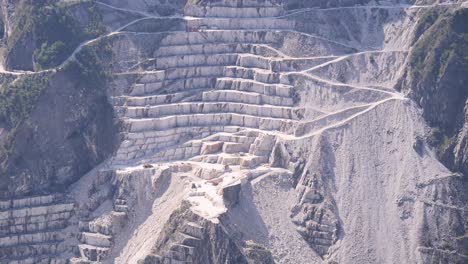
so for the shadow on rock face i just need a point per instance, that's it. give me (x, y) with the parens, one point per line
(70, 130)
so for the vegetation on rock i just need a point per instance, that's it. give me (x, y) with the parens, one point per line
(18, 98)
(90, 65)
(439, 63)
(445, 43)
(53, 29)
(84, 79)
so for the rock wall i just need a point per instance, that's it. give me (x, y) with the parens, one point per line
(70, 130)
(435, 79)
(187, 237)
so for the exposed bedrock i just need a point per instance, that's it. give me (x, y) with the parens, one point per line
(436, 80)
(188, 237)
(350, 195)
(69, 131)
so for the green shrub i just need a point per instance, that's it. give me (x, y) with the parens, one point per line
(91, 64)
(440, 140)
(446, 43)
(95, 27)
(50, 55)
(425, 22)
(54, 29)
(18, 98)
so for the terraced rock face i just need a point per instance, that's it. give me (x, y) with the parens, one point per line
(255, 132)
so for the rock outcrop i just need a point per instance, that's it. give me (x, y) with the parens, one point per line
(436, 80)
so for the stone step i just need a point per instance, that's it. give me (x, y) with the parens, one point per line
(142, 144)
(263, 145)
(193, 229)
(242, 160)
(173, 86)
(256, 74)
(255, 61)
(177, 73)
(252, 161)
(248, 85)
(246, 98)
(187, 72)
(230, 138)
(213, 23)
(38, 259)
(129, 147)
(145, 100)
(94, 227)
(36, 219)
(13, 228)
(208, 48)
(233, 11)
(143, 77)
(31, 250)
(197, 131)
(195, 60)
(213, 159)
(45, 236)
(262, 50)
(151, 141)
(36, 211)
(231, 148)
(244, 3)
(230, 160)
(158, 154)
(322, 47)
(95, 239)
(93, 253)
(173, 92)
(211, 107)
(6, 205)
(229, 119)
(223, 36)
(211, 147)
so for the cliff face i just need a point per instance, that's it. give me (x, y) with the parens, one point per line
(69, 130)
(248, 131)
(436, 79)
(56, 124)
